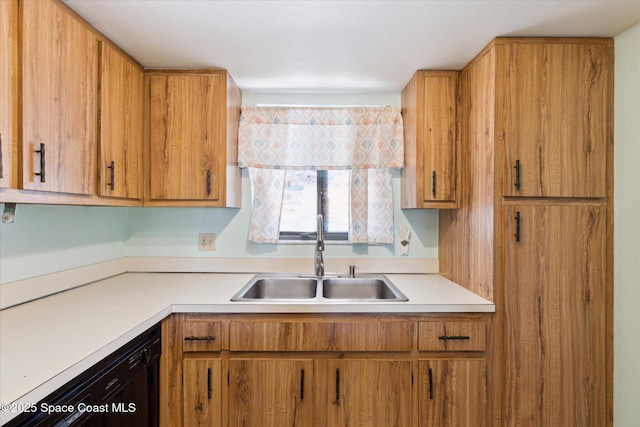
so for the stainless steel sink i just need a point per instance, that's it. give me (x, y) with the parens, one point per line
(301, 288)
(278, 287)
(361, 289)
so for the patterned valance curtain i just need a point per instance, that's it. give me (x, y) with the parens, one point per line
(366, 140)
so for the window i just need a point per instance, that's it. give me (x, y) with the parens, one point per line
(309, 192)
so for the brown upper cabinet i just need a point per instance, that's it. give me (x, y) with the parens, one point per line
(8, 90)
(59, 82)
(72, 128)
(121, 129)
(192, 139)
(429, 178)
(552, 115)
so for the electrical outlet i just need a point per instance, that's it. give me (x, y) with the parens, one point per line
(206, 242)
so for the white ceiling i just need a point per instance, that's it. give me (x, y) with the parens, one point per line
(336, 46)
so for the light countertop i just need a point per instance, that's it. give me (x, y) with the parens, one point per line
(47, 342)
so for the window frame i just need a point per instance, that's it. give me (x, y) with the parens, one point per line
(322, 205)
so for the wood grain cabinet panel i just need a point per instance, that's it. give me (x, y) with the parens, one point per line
(271, 392)
(555, 335)
(8, 91)
(551, 113)
(121, 125)
(201, 335)
(429, 105)
(370, 393)
(452, 393)
(192, 151)
(202, 385)
(321, 336)
(59, 100)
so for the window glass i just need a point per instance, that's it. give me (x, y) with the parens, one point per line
(308, 192)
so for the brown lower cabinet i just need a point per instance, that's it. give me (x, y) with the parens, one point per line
(323, 370)
(202, 383)
(452, 392)
(270, 392)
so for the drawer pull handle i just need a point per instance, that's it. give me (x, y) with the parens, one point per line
(454, 337)
(209, 338)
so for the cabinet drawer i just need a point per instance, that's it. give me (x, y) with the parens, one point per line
(201, 335)
(320, 336)
(451, 336)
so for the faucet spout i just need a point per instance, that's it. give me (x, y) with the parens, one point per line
(320, 246)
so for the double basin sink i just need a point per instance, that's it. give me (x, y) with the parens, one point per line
(304, 288)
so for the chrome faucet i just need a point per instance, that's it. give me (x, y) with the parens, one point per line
(320, 247)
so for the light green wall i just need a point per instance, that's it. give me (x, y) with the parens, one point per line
(626, 379)
(174, 232)
(44, 239)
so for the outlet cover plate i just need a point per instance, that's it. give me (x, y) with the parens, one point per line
(206, 242)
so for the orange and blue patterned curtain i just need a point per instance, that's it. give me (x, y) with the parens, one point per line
(368, 141)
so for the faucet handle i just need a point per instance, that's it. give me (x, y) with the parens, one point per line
(352, 271)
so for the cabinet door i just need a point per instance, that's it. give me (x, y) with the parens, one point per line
(186, 128)
(270, 392)
(121, 130)
(8, 95)
(365, 393)
(552, 112)
(554, 290)
(202, 392)
(429, 178)
(59, 77)
(452, 392)
(439, 137)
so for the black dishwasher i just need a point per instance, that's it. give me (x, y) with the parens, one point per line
(120, 390)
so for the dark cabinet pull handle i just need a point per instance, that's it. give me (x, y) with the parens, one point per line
(1, 159)
(433, 183)
(517, 168)
(112, 174)
(208, 182)
(209, 383)
(517, 218)
(41, 174)
(454, 337)
(301, 384)
(430, 384)
(338, 386)
(209, 338)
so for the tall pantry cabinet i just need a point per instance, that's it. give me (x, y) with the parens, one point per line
(534, 231)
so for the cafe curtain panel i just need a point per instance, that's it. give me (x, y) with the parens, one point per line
(366, 140)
